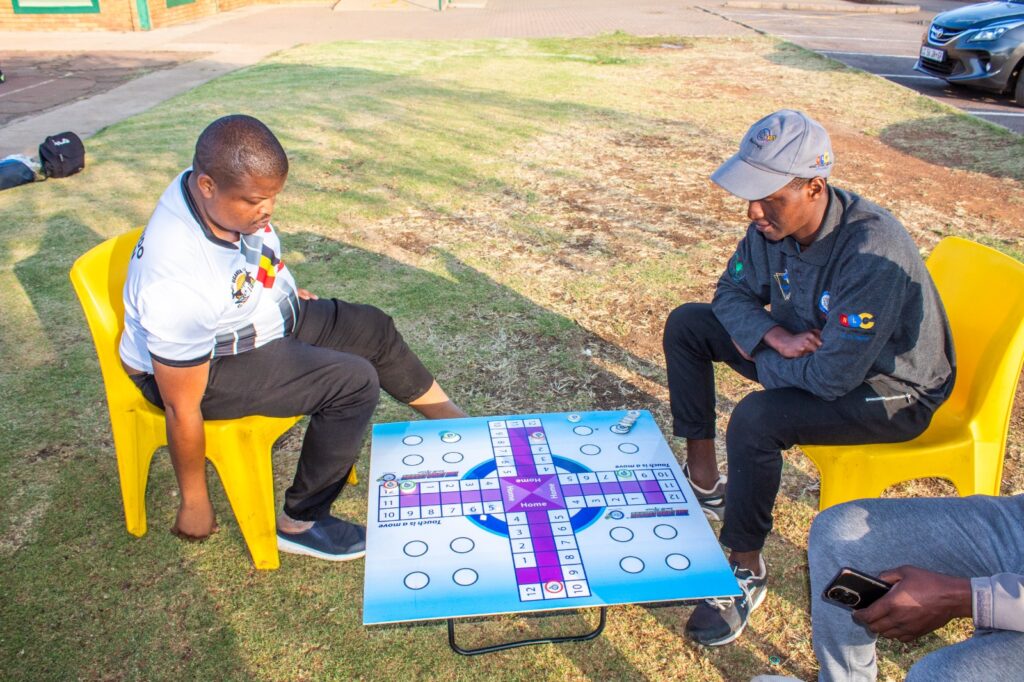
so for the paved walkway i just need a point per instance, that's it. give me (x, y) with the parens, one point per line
(225, 42)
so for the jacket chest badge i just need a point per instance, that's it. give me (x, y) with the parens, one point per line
(782, 279)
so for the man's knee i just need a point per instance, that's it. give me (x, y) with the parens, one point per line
(354, 381)
(837, 535)
(751, 422)
(686, 322)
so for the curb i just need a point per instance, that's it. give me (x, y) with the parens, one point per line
(824, 7)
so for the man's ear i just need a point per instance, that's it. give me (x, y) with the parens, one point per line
(817, 187)
(206, 185)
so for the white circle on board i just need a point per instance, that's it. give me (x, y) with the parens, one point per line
(677, 561)
(453, 457)
(417, 580)
(583, 430)
(465, 576)
(450, 437)
(631, 564)
(415, 548)
(665, 532)
(590, 449)
(412, 440)
(462, 545)
(629, 448)
(621, 534)
(412, 460)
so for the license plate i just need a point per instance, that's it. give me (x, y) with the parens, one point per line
(933, 54)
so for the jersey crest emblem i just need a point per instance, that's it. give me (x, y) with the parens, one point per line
(242, 284)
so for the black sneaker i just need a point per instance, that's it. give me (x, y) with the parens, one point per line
(712, 502)
(331, 539)
(719, 621)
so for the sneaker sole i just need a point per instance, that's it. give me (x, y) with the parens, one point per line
(735, 635)
(289, 547)
(713, 513)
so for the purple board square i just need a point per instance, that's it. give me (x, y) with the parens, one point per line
(551, 574)
(527, 576)
(591, 488)
(630, 487)
(451, 498)
(409, 500)
(430, 498)
(655, 498)
(544, 544)
(490, 494)
(470, 496)
(547, 558)
(537, 517)
(540, 530)
(571, 490)
(650, 486)
(611, 488)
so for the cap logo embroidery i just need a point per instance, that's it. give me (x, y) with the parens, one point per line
(823, 161)
(765, 135)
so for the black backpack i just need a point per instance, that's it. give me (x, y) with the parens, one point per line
(62, 155)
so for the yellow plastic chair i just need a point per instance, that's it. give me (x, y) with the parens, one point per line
(239, 448)
(983, 291)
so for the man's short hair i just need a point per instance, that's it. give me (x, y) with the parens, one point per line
(238, 146)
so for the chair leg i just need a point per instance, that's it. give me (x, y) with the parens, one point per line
(135, 445)
(249, 484)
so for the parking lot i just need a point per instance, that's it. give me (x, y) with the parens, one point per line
(883, 44)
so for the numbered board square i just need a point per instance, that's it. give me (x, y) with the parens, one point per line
(490, 515)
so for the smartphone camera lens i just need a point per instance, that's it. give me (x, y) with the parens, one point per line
(844, 595)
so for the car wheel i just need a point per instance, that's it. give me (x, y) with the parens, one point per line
(1018, 91)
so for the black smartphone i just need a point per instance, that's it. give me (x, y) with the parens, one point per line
(852, 589)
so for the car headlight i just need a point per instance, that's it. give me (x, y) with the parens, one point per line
(991, 33)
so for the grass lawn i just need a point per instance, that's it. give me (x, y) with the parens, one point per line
(529, 211)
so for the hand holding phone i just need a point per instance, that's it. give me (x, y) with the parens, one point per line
(852, 589)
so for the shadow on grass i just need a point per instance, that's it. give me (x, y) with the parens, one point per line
(957, 141)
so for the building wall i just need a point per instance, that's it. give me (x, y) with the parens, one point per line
(162, 15)
(115, 15)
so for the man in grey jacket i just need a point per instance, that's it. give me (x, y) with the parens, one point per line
(827, 304)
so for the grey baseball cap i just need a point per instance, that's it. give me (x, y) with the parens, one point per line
(781, 146)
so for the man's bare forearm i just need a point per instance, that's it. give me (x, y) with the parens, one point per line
(187, 443)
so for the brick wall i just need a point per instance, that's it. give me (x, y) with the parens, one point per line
(161, 15)
(114, 15)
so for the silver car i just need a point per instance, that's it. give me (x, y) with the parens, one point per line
(979, 46)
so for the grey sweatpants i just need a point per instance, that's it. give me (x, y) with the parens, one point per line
(965, 537)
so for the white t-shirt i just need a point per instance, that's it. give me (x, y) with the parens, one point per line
(191, 296)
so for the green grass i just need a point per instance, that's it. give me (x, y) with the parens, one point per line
(529, 211)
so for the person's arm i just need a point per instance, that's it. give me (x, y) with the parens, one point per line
(866, 306)
(742, 294)
(181, 389)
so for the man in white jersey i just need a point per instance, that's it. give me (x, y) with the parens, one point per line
(216, 328)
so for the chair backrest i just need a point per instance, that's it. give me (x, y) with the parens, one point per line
(98, 277)
(983, 292)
